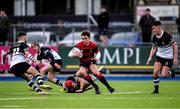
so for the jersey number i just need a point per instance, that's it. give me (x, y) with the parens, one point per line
(16, 51)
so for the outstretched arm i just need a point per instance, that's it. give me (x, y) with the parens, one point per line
(153, 51)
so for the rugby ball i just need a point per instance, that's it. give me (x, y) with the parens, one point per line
(75, 52)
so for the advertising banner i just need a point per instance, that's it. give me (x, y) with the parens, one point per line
(114, 58)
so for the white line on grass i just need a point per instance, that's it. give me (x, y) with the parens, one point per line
(23, 98)
(11, 106)
(90, 108)
(102, 98)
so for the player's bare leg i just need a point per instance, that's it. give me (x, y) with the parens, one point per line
(51, 75)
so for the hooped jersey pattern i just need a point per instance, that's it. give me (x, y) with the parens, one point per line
(88, 51)
(18, 53)
(164, 45)
(43, 54)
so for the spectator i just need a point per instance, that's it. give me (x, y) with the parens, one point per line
(178, 24)
(103, 22)
(4, 27)
(146, 23)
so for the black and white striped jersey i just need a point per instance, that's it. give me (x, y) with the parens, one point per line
(47, 53)
(164, 45)
(18, 53)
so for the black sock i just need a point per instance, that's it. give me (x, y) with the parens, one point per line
(39, 80)
(88, 78)
(103, 80)
(156, 83)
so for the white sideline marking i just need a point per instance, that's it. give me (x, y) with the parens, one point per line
(89, 108)
(11, 106)
(105, 98)
(25, 98)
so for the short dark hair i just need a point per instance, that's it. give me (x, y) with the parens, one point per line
(148, 9)
(86, 33)
(157, 23)
(21, 34)
(35, 43)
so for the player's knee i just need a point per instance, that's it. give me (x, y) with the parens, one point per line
(164, 75)
(99, 75)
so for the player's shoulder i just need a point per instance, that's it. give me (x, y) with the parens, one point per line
(93, 44)
(23, 45)
(79, 44)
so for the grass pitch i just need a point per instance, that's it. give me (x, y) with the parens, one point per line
(128, 95)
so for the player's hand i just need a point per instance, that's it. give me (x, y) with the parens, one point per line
(95, 59)
(175, 61)
(148, 62)
(79, 91)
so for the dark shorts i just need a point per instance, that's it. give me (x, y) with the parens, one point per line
(87, 64)
(20, 68)
(164, 62)
(59, 62)
(102, 31)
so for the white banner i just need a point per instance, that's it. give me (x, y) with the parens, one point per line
(158, 11)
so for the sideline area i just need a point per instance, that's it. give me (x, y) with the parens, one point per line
(114, 77)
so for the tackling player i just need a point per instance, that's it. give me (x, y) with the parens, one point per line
(166, 50)
(54, 65)
(90, 55)
(20, 68)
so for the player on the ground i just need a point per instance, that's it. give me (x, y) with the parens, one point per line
(74, 84)
(20, 68)
(166, 50)
(90, 55)
(54, 65)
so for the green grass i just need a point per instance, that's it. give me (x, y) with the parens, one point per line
(128, 95)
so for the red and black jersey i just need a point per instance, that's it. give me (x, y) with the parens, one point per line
(88, 51)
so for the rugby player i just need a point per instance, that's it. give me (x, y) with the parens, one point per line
(20, 68)
(165, 50)
(90, 55)
(54, 65)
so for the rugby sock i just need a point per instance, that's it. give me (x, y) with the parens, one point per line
(57, 82)
(88, 78)
(36, 88)
(30, 83)
(156, 83)
(103, 80)
(39, 80)
(33, 86)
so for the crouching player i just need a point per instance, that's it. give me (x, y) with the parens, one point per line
(20, 68)
(54, 64)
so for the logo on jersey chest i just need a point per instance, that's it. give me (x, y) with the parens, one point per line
(163, 42)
